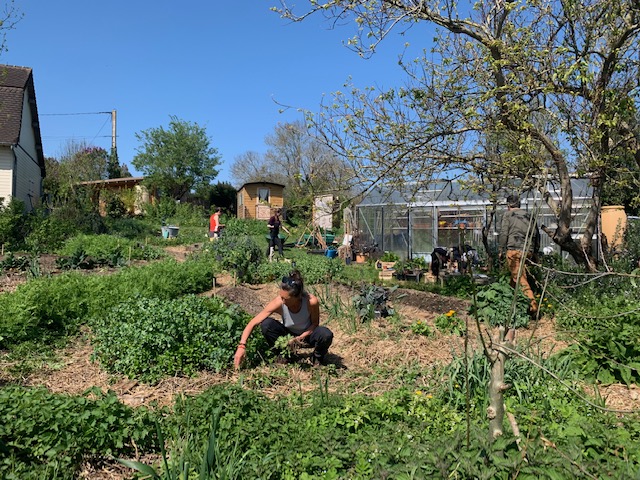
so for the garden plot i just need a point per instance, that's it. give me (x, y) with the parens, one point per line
(356, 354)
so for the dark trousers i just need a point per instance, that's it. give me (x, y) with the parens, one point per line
(275, 241)
(320, 339)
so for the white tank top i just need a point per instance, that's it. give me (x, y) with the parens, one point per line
(297, 322)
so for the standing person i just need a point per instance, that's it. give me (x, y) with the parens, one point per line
(439, 259)
(274, 224)
(300, 313)
(519, 239)
(214, 224)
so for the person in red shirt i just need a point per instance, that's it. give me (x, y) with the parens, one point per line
(215, 225)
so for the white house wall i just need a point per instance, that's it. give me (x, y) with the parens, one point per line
(6, 173)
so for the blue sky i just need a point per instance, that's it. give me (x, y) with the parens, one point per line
(219, 63)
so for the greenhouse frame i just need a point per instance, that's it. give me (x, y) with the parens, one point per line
(413, 221)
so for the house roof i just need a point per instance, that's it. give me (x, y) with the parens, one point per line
(14, 82)
(260, 183)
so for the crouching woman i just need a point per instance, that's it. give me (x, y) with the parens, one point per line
(300, 314)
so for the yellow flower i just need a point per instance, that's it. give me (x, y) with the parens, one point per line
(429, 396)
(418, 392)
(450, 313)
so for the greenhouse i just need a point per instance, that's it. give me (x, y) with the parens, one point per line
(413, 221)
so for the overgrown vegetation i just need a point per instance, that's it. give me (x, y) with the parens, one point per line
(45, 308)
(150, 338)
(147, 324)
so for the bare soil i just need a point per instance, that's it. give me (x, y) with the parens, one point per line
(358, 352)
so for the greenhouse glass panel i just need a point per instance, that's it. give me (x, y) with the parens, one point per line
(422, 231)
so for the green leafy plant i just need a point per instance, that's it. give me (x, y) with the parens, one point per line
(77, 260)
(239, 255)
(47, 435)
(284, 346)
(109, 250)
(388, 256)
(494, 305)
(149, 338)
(46, 308)
(606, 330)
(420, 327)
(315, 269)
(11, 262)
(372, 302)
(450, 323)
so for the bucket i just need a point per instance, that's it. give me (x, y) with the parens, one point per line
(170, 232)
(331, 253)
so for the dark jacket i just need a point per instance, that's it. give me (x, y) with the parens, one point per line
(513, 232)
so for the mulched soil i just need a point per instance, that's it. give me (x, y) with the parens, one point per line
(357, 354)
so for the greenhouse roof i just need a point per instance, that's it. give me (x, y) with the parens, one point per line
(447, 192)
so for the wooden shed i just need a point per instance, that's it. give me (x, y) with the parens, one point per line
(129, 189)
(256, 199)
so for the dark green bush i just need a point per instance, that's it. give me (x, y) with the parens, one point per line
(237, 227)
(131, 228)
(239, 255)
(149, 338)
(12, 224)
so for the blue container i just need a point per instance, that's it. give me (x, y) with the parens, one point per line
(331, 253)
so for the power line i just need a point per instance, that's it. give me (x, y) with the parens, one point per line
(67, 114)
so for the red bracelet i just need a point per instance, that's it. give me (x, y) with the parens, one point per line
(242, 345)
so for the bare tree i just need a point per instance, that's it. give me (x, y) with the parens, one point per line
(557, 82)
(250, 167)
(297, 160)
(9, 17)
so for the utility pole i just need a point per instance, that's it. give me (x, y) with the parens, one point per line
(113, 130)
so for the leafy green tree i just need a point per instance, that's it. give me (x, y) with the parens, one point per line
(178, 159)
(556, 82)
(79, 163)
(114, 169)
(223, 195)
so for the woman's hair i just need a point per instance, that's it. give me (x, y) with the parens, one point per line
(293, 283)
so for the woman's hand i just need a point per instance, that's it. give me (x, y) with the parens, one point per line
(239, 356)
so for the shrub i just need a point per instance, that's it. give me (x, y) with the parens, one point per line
(147, 338)
(240, 255)
(12, 224)
(235, 227)
(607, 331)
(131, 228)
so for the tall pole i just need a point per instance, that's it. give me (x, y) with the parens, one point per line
(113, 130)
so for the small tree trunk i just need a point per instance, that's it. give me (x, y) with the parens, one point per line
(498, 358)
